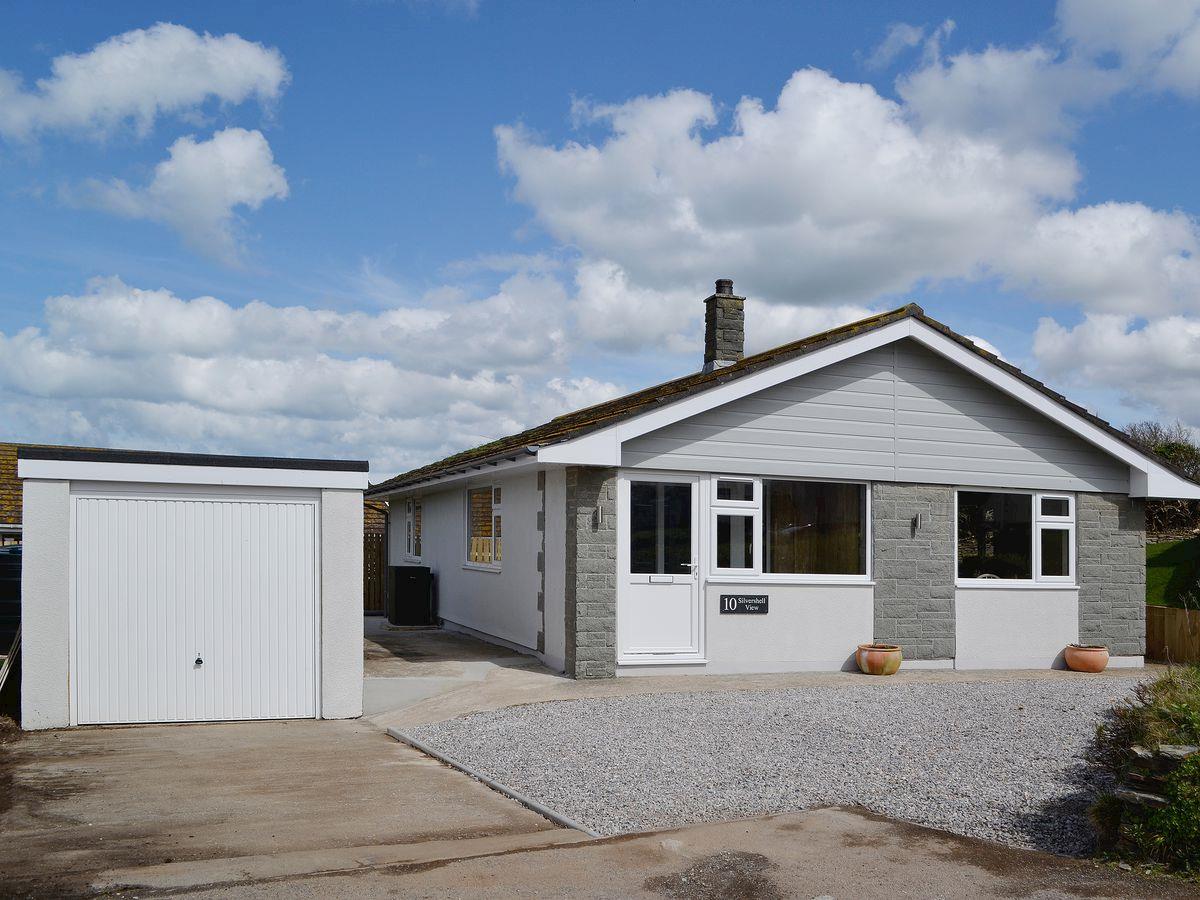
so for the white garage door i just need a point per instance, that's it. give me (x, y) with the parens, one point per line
(194, 608)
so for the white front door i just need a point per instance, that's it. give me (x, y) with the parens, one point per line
(658, 594)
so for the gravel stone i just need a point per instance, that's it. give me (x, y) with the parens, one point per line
(1001, 760)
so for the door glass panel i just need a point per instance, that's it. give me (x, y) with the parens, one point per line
(735, 542)
(660, 528)
(1056, 552)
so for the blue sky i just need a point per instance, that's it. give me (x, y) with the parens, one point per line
(396, 229)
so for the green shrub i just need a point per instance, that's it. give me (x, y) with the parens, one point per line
(1171, 835)
(1163, 711)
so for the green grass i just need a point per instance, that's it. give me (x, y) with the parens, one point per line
(1171, 569)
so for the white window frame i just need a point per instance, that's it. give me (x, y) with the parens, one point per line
(1053, 523)
(755, 507)
(410, 528)
(497, 513)
(743, 511)
(1037, 524)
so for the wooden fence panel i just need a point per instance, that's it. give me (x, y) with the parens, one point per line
(1172, 635)
(374, 571)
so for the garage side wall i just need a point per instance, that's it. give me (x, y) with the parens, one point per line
(341, 604)
(45, 605)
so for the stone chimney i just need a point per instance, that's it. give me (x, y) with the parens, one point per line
(724, 327)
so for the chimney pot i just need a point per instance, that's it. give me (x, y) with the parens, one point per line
(724, 326)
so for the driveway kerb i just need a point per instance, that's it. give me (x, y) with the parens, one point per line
(528, 802)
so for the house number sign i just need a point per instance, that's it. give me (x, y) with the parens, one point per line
(744, 604)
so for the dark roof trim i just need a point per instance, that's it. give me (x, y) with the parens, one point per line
(477, 464)
(160, 458)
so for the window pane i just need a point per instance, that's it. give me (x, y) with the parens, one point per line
(742, 491)
(995, 535)
(1056, 506)
(660, 528)
(496, 496)
(1056, 552)
(480, 524)
(735, 542)
(496, 538)
(814, 528)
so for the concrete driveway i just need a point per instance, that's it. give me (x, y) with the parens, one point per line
(74, 804)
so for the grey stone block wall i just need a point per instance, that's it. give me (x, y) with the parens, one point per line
(1110, 534)
(913, 568)
(591, 595)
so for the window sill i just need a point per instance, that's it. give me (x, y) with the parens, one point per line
(1000, 584)
(480, 567)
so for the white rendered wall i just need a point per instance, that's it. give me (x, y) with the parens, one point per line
(341, 604)
(810, 627)
(1014, 628)
(556, 570)
(501, 602)
(45, 605)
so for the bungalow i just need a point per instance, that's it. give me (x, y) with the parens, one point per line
(888, 479)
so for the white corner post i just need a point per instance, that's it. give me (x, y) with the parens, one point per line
(46, 605)
(341, 604)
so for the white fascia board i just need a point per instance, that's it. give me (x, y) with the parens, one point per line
(147, 473)
(1147, 477)
(483, 472)
(603, 447)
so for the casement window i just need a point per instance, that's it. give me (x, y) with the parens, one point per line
(484, 527)
(1015, 536)
(412, 528)
(789, 528)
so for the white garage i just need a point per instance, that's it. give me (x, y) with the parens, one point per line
(162, 587)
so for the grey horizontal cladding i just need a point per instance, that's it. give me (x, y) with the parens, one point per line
(897, 413)
(1012, 445)
(746, 466)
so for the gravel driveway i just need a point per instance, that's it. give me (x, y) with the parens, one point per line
(991, 759)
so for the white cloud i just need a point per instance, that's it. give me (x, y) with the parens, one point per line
(137, 76)
(198, 189)
(830, 197)
(1111, 257)
(1157, 42)
(1154, 364)
(900, 37)
(122, 366)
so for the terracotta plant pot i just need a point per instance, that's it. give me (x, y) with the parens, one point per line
(878, 659)
(1084, 658)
